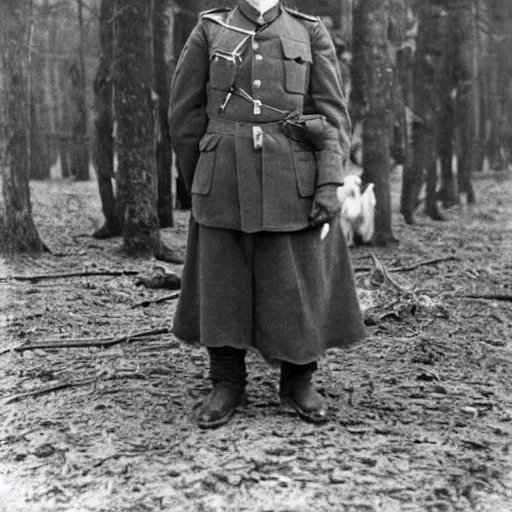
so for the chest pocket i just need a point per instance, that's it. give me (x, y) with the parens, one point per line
(222, 70)
(297, 61)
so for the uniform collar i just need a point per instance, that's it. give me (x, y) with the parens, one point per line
(255, 16)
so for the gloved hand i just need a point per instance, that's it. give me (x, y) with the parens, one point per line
(326, 205)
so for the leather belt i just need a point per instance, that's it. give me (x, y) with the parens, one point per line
(241, 129)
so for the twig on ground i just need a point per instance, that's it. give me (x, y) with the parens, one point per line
(408, 268)
(92, 273)
(117, 456)
(90, 342)
(379, 266)
(433, 261)
(49, 389)
(489, 296)
(148, 302)
(362, 268)
(72, 384)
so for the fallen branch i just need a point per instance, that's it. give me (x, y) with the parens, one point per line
(148, 302)
(50, 389)
(66, 385)
(39, 277)
(89, 342)
(425, 263)
(379, 266)
(489, 296)
(408, 268)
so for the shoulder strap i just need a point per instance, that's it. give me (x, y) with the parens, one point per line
(301, 15)
(217, 10)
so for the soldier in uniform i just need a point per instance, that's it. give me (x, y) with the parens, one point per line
(260, 129)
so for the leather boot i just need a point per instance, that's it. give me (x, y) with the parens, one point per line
(228, 376)
(297, 391)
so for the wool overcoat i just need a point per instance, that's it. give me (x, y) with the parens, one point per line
(240, 74)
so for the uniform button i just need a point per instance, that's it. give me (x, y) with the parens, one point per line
(255, 46)
(256, 84)
(258, 57)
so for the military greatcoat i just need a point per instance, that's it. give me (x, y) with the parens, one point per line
(256, 273)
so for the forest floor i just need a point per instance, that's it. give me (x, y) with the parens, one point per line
(421, 411)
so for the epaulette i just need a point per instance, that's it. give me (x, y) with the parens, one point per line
(217, 10)
(301, 15)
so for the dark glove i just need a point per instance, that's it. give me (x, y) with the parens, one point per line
(326, 205)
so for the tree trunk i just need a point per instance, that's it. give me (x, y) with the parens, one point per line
(466, 82)
(40, 153)
(428, 67)
(372, 20)
(162, 20)
(501, 84)
(63, 116)
(135, 130)
(40, 158)
(80, 150)
(103, 125)
(19, 233)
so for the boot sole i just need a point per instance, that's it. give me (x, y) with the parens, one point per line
(318, 420)
(223, 420)
(217, 423)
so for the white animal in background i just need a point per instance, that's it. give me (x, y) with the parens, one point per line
(357, 217)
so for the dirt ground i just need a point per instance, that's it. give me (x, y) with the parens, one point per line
(421, 412)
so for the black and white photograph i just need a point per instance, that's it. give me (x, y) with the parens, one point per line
(255, 255)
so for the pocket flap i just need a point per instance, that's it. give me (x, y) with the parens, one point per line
(209, 142)
(296, 50)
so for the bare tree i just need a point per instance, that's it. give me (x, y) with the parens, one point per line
(80, 150)
(162, 20)
(373, 80)
(17, 230)
(103, 125)
(427, 128)
(135, 132)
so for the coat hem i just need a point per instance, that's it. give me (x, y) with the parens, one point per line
(337, 344)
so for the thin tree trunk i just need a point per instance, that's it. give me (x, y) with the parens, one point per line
(467, 95)
(103, 125)
(377, 78)
(39, 154)
(80, 150)
(133, 115)
(63, 117)
(19, 233)
(39, 167)
(501, 82)
(47, 119)
(162, 20)
(428, 67)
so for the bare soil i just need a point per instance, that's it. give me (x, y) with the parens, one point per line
(421, 411)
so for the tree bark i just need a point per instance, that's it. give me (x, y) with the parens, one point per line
(133, 115)
(63, 117)
(501, 84)
(103, 152)
(428, 68)
(162, 20)
(18, 232)
(80, 149)
(372, 20)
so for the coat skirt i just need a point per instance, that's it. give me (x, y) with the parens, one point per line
(289, 295)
